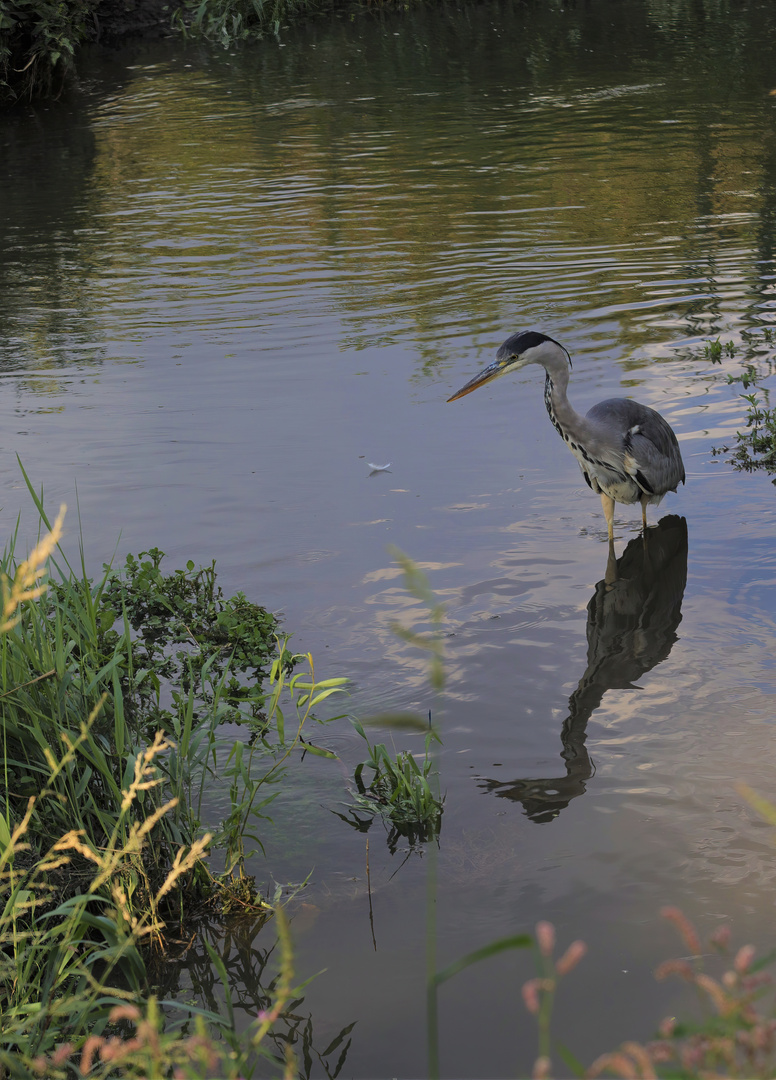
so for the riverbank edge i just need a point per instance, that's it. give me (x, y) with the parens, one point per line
(40, 44)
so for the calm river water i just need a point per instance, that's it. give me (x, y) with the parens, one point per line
(232, 279)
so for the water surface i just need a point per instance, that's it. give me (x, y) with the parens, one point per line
(233, 279)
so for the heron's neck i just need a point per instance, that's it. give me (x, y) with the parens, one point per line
(562, 413)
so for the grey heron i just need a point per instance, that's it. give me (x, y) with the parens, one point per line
(627, 452)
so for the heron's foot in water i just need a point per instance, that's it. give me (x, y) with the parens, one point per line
(608, 506)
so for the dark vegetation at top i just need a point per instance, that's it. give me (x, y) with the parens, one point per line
(38, 42)
(39, 39)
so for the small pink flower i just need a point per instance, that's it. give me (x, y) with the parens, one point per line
(641, 1056)
(545, 936)
(722, 1003)
(541, 1069)
(661, 1051)
(571, 957)
(124, 1012)
(61, 1054)
(744, 958)
(685, 928)
(720, 939)
(668, 1027)
(90, 1047)
(531, 995)
(675, 967)
(616, 1063)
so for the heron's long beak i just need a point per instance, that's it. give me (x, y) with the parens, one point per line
(492, 371)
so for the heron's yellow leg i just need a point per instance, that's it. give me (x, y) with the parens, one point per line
(608, 504)
(643, 511)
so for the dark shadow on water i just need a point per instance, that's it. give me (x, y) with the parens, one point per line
(631, 627)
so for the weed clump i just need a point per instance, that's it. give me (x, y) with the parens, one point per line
(186, 633)
(152, 659)
(754, 447)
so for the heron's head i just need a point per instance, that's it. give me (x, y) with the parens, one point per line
(526, 347)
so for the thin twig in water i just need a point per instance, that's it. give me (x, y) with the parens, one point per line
(369, 890)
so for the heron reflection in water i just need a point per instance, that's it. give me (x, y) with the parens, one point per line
(631, 626)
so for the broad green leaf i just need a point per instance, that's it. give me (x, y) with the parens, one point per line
(324, 694)
(320, 752)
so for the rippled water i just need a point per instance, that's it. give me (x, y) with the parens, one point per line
(232, 280)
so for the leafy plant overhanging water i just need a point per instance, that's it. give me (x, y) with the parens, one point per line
(755, 447)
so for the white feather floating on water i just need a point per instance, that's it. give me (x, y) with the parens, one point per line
(378, 468)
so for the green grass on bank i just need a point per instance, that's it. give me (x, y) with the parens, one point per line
(115, 696)
(228, 21)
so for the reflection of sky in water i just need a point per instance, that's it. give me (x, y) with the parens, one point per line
(229, 306)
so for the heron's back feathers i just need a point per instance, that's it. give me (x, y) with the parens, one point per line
(642, 442)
